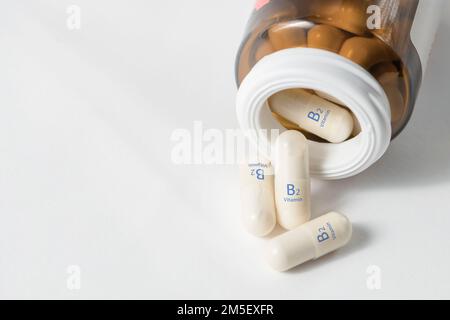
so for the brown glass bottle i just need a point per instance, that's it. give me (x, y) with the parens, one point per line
(375, 34)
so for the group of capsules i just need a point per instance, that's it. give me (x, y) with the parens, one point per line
(280, 192)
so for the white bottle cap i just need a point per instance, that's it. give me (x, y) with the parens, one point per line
(329, 73)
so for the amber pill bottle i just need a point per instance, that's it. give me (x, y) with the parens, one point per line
(366, 55)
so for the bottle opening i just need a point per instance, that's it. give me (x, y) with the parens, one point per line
(296, 77)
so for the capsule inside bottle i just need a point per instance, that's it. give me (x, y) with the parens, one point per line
(326, 37)
(348, 15)
(314, 114)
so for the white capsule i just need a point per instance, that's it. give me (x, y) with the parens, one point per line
(313, 114)
(257, 198)
(309, 241)
(292, 180)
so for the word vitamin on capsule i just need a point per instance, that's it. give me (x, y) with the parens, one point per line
(310, 241)
(292, 180)
(313, 114)
(257, 198)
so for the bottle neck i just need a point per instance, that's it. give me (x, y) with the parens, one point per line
(333, 75)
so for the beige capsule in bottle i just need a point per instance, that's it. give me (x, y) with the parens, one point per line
(309, 241)
(328, 97)
(264, 48)
(313, 114)
(286, 123)
(366, 52)
(326, 37)
(292, 180)
(348, 15)
(287, 35)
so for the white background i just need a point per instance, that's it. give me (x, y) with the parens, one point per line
(86, 177)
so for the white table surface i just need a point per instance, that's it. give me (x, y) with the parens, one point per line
(86, 177)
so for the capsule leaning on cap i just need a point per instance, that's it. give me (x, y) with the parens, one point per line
(313, 114)
(257, 198)
(292, 180)
(309, 241)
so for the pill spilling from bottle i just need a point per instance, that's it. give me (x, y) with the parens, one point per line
(281, 193)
